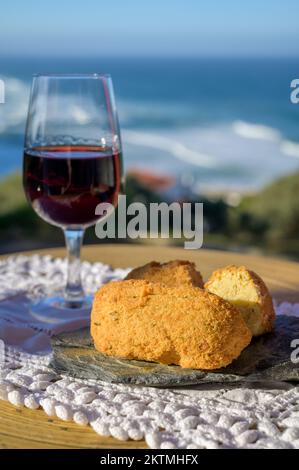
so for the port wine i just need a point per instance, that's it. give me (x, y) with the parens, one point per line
(64, 184)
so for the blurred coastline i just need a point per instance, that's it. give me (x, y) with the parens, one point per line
(217, 124)
(212, 130)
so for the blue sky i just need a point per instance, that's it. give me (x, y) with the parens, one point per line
(150, 27)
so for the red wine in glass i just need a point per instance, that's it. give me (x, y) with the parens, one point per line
(64, 184)
(72, 163)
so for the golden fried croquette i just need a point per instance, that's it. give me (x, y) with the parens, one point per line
(136, 319)
(173, 273)
(247, 291)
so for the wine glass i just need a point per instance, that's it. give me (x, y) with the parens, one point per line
(72, 162)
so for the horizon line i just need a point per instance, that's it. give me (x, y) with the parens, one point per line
(148, 56)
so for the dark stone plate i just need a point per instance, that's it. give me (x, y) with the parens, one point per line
(267, 358)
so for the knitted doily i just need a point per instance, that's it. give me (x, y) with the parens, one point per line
(189, 418)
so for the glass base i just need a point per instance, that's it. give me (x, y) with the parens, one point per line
(58, 310)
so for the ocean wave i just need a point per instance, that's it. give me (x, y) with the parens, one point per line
(256, 131)
(13, 111)
(215, 156)
(174, 147)
(289, 148)
(260, 132)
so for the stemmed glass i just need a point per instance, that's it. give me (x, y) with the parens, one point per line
(72, 162)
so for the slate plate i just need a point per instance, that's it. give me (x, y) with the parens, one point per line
(267, 358)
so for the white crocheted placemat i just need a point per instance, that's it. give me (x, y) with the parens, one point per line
(192, 418)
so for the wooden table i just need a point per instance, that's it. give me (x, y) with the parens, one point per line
(24, 428)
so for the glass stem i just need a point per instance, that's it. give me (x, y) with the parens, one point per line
(74, 294)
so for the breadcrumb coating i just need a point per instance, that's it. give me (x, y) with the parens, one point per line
(137, 319)
(174, 273)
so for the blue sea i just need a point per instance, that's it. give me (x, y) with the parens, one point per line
(215, 124)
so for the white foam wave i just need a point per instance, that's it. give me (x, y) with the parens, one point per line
(261, 132)
(13, 111)
(256, 131)
(169, 145)
(289, 148)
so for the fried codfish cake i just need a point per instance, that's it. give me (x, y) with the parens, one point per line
(173, 273)
(245, 290)
(136, 319)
